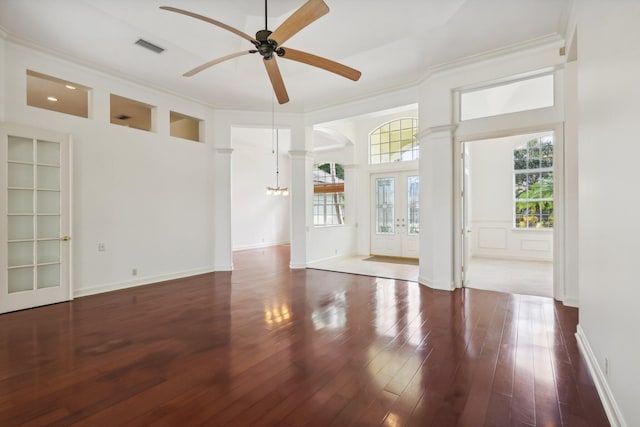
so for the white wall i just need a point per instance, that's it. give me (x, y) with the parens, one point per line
(609, 129)
(491, 195)
(258, 219)
(147, 196)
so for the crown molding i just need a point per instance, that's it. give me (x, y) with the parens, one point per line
(522, 48)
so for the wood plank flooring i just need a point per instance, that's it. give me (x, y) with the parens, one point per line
(268, 346)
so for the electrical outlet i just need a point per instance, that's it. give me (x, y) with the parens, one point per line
(134, 272)
(101, 247)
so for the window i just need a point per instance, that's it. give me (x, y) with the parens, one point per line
(52, 93)
(512, 97)
(413, 205)
(182, 126)
(394, 142)
(130, 113)
(328, 194)
(533, 183)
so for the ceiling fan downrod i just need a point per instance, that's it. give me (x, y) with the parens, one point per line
(267, 47)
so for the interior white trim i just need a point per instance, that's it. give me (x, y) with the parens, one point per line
(440, 286)
(606, 396)
(523, 48)
(140, 282)
(436, 129)
(258, 246)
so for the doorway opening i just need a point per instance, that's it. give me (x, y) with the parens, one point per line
(508, 214)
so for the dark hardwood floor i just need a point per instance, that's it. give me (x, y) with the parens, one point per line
(268, 346)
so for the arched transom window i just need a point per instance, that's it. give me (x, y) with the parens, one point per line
(394, 142)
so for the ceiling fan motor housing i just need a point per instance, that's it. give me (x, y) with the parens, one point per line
(266, 46)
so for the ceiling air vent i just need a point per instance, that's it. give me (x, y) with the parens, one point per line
(148, 45)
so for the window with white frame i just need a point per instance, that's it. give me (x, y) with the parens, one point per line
(533, 184)
(394, 141)
(511, 97)
(328, 194)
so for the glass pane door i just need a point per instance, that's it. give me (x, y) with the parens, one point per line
(385, 205)
(33, 214)
(413, 205)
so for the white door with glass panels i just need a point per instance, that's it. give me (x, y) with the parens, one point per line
(395, 214)
(35, 218)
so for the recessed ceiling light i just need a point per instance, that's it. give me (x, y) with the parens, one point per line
(52, 98)
(70, 87)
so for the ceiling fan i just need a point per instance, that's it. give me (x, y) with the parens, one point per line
(269, 45)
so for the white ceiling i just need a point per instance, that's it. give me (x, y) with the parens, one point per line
(393, 43)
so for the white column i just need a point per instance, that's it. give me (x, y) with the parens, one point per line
(301, 191)
(350, 192)
(222, 255)
(436, 207)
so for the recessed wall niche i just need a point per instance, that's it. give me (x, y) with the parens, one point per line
(55, 94)
(183, 126)
(131, 113)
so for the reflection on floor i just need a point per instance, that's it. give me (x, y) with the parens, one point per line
(361, 265)
(513, 276)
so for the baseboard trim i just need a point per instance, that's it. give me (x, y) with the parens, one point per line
(571, 302)
(331, 258)
(139, 282)
(258, 246)
(425, 281)
(606, 396)
(435, 285)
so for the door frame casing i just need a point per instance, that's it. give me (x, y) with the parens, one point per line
(66, 203)
(559, 199)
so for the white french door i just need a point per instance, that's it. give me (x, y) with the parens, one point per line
(34, 218)
(395, 214)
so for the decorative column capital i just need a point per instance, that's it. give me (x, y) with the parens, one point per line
(300, 154)
(223, 150)
(435, 130)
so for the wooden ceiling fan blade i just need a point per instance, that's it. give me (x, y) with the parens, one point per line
(305, 15)
(211, 21)
(276, 80)
(216, 61)
(324, 63)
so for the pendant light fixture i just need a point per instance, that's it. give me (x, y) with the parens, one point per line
(277, 190)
